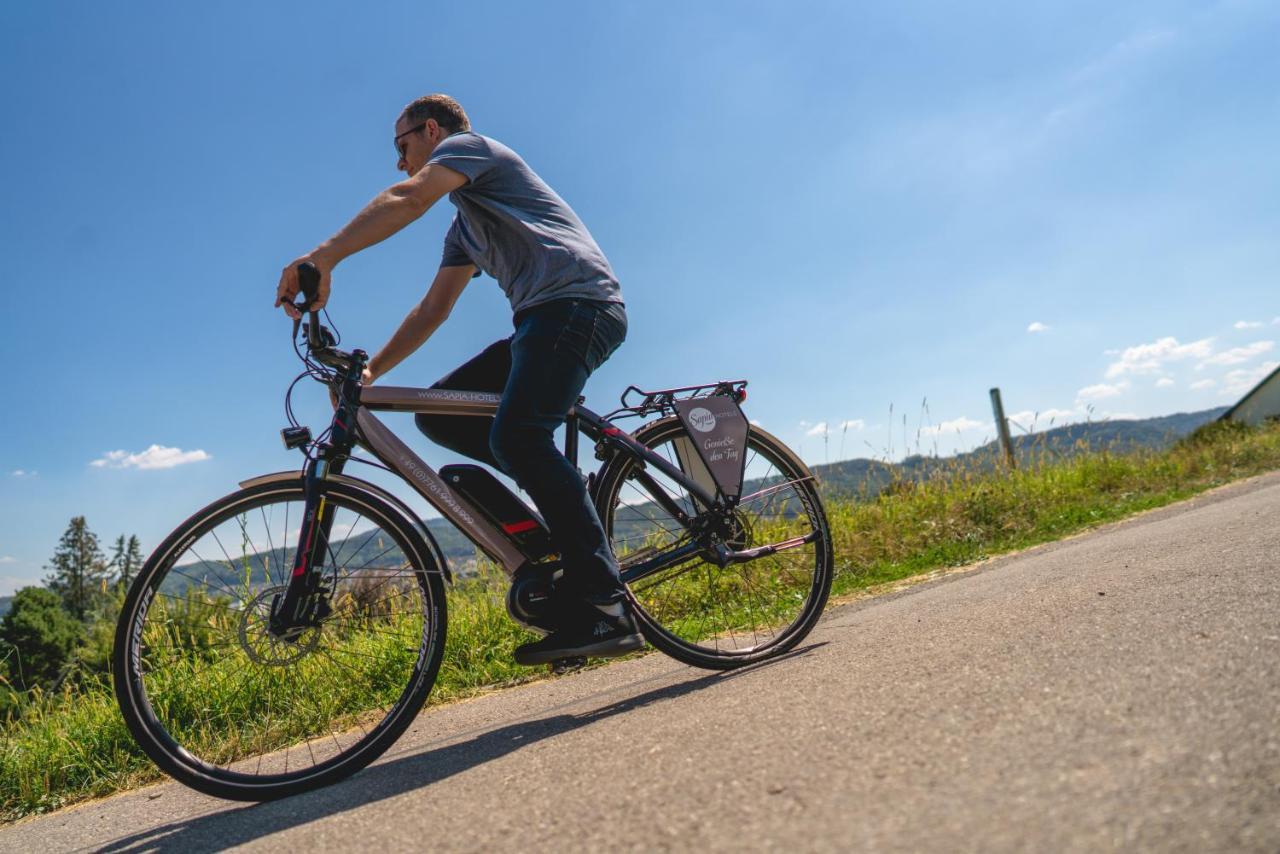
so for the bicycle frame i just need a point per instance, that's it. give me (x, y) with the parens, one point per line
(304, 602)
(494, 542)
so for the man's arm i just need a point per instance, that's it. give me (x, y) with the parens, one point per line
(390, 211)
(423, 320)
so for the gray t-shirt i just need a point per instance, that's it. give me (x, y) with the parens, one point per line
(514, 227)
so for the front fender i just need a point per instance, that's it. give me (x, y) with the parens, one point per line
(295, 474)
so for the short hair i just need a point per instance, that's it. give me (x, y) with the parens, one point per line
(447, 112)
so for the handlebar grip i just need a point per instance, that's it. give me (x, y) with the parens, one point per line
(309, 282)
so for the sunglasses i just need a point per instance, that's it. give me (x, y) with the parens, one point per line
(402, 147)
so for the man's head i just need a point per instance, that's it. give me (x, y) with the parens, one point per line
(422, 125)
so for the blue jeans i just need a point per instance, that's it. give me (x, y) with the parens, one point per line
(540, 371)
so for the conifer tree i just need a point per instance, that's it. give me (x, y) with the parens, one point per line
(78, 569)
(126, 559)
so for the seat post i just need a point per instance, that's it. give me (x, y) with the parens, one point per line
(571, 434)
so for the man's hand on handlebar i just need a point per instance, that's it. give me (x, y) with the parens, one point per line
(288, 288)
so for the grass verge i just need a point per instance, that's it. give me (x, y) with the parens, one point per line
(964, 515)
(73, 745)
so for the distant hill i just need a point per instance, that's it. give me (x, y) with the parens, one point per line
(857, 478)
(864, 477)
(5, 602)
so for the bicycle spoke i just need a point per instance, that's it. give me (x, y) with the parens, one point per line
(203, 584)
(367, 539)
(385, 578)
(271, 544)
(345, 540)
(231, 565)
(741, 607)
(215, 678)
(370, 564)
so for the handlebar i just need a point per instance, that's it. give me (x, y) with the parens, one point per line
(309, 284)
(319, 339)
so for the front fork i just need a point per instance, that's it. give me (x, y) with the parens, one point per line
(307, 599)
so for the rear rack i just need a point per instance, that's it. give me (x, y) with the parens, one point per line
(664, 400)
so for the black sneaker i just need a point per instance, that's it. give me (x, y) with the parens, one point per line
(601, 635)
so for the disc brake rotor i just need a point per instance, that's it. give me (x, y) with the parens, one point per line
(267, 649)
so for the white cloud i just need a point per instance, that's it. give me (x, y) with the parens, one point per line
(1247, 324)
(1242, 380)
(8, 559)
(958, 425)
(853, 424)
(1037, 326)
(818, 429)
(1120, 416)
(1101, 391)
(1202, 384)
(1150, 358)
(1164, 382)
(1275, 321)
(1236, 355)
(23, 473)
(155, 457)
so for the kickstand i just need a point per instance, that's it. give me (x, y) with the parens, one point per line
(567, 665)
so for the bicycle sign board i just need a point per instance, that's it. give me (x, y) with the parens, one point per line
(718, 430)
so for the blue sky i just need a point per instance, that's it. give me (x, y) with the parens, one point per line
(852, 205)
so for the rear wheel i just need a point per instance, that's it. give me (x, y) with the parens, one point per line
(696, 611)
(230, 709)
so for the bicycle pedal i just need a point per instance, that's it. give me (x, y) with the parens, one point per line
(567, 665)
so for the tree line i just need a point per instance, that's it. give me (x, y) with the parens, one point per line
(64, 629)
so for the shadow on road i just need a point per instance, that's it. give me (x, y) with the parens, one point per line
(221, 830)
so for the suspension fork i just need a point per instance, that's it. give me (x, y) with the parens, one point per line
(303, 603)
(306, 600)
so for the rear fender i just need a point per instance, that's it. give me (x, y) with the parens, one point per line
(436, 554)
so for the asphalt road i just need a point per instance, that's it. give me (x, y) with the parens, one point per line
(1116, 691)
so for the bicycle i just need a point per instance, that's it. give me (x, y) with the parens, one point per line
(317, 627)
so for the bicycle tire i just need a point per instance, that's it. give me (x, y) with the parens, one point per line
(701, 630)
(148, 663)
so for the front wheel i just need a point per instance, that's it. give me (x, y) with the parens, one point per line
(233, 710)
(697, 611)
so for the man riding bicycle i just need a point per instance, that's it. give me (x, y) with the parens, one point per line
(568, 318)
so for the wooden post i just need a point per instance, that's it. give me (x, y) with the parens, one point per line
(1002, 425)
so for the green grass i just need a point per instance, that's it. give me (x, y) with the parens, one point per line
(962, 516)
(73, 745)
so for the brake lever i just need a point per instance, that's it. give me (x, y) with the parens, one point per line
(324, 334)
(301, 307)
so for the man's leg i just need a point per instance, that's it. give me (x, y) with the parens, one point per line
(469, 434)
(555, 349)
(548, 373)
(532, 459)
